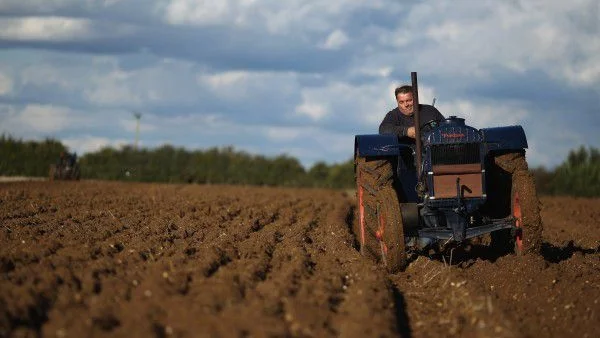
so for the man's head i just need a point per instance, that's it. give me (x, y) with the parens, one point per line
(404, 98)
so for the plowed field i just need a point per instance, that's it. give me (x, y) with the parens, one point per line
(88, 259)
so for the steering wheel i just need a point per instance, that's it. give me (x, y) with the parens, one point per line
(427, 126)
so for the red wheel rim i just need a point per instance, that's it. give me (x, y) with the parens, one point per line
(516, 207)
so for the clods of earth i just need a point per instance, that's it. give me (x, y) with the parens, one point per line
(92, 259)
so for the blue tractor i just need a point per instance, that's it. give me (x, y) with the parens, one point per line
(450, 184)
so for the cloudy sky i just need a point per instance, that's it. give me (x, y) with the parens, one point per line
(299, 77)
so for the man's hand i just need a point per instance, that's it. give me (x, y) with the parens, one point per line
(410, 132)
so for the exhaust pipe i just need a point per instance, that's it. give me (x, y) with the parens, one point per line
(415, 94)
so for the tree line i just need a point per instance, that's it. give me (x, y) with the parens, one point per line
(215, 165)
(223, 165)
(28, 158)
(578, 175)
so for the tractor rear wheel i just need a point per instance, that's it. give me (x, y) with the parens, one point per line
(524, 206)
(378, 223)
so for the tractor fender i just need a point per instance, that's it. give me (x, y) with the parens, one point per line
(377, 145)
(504, 138)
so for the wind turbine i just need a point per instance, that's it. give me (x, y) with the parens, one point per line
(137, 116)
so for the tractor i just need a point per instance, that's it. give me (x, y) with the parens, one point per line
(66, 168)
(451, 184)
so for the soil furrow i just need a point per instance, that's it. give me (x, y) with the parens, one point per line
(90, 258)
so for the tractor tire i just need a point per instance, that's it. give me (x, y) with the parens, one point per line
(378, 222)
(523, 204)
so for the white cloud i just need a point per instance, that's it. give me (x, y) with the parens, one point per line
(51, 6)
(484, 115)
(40, 74)
(332, 146)
(8, 113)
(155, 124)
(113, 89)
(336, 40)
(284, 133)
(241, 86)
(108, 3)
(35, 119)
(276, 17)
(317, 102)
(382, 71)
(169, 81)
(316, 111)
(87, 143)
(561, 139)
(44, 29)
(225, 80)
(283, 17)
(47, 119)
(198, 12)
(446, 32)
(42, 5)
(472, 38)
(6, 84)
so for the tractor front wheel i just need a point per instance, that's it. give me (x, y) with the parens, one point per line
(378, 223)
(524, 207)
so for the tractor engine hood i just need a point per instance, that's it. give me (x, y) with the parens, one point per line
(453, 130)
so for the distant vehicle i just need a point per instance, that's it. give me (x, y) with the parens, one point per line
(65, 168)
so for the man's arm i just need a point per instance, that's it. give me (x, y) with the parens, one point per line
(390, 126)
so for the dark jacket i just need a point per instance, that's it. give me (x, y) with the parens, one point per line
(397, 123)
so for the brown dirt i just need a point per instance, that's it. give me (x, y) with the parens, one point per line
(114, 259)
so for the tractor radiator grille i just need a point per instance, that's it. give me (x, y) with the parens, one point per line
(463, 153)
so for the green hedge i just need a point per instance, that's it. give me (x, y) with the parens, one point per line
(578, 175)
(28, 158)
(174, 165)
